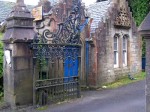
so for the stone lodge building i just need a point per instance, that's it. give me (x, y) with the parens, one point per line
(114, 43)
(111, 46)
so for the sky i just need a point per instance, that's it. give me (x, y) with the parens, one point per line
(34, 2)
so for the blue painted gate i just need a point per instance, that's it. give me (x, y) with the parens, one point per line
(71, 65)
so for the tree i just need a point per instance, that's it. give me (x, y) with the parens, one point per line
(139, 9)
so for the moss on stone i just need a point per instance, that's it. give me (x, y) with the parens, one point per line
(125, 80)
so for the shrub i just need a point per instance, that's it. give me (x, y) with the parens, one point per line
(1, 67)
(1, 56)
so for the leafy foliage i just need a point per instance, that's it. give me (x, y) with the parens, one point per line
(1, 67)
(140, 9)
(143, 47)
(1, 56)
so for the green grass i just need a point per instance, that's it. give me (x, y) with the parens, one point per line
(42, 108)
(125, 80)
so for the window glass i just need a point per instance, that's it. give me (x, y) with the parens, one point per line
(124, 55)
(116, 52)
(115, 57)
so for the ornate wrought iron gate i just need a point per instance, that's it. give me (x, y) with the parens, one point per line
(57, 61)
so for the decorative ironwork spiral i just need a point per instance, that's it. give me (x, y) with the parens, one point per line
(68, 31)
(47, 34)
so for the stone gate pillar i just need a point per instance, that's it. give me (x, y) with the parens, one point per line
(18, 69)
(145, 32)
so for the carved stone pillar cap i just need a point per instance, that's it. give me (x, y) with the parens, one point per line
(19, 24)
(144, 28)
(20, 10)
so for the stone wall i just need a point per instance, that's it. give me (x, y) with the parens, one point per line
(18, 75)
(148, 74)
(102, 53)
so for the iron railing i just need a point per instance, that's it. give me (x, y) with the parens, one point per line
(56, 90)
(57, 64)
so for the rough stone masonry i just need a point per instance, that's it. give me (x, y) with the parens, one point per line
(18, 68)
(144, 29)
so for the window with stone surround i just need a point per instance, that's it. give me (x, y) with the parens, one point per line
(116, 51)
(120, 50)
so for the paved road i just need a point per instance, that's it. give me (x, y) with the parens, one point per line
(130, 98)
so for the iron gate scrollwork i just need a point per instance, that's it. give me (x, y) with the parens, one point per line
(57, 61)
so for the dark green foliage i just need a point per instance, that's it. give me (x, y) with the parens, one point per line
(1, 67)
(1, 57)
(140, 9)
(143, 48)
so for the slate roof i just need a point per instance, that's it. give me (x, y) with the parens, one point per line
(98, 11)
(145, 25)
(6, 7)
(53, 2)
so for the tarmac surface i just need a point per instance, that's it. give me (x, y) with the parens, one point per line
(129, 98)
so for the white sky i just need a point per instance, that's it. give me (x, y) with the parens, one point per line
(34, 2)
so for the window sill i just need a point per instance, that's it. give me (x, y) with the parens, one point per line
(123, 68)
(116, 66)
